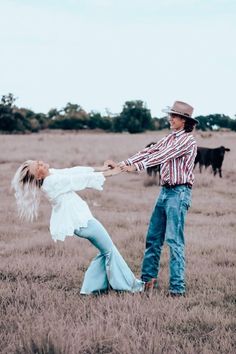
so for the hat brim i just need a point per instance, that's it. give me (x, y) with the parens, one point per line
(168, 110)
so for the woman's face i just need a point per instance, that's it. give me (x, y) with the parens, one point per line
(39, 169)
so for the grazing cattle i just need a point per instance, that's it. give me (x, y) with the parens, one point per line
(211, 157)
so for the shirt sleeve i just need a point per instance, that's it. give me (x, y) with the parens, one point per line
(164, 154)
(58, 184)
(145, 153)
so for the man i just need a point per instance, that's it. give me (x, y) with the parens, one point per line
(175, 154)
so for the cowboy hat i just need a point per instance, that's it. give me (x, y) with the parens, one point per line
(181, 109)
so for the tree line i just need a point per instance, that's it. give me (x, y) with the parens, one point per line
(135, 117)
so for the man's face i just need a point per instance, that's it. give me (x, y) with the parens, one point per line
(176, 122)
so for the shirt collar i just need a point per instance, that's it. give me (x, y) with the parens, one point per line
(179, 132)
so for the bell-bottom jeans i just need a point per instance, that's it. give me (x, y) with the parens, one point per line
(108, 268)
(167, 225)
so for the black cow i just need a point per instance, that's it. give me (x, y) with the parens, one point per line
(152, 171)
(210, 157)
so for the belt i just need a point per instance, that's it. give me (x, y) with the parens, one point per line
(166, 185)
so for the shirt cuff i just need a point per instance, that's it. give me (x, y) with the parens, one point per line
(140, 166)
(98, 181)
(127, 162)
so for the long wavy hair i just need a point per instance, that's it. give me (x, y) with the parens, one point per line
(27, 192)
(189, 125)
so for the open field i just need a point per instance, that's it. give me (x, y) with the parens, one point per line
(41, 310)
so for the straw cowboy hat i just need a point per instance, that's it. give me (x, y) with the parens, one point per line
(181, 109)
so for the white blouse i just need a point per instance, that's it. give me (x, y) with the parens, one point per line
(69, 210)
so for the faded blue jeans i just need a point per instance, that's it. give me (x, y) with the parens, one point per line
(108, 268)
(167, 225)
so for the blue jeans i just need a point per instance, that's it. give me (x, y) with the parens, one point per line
(167, 224)
(108, 268)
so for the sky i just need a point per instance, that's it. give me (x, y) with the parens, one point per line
(101, 53)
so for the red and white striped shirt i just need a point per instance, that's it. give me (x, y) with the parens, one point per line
(175, 154)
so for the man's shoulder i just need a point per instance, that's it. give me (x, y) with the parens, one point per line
(190, 136)
(193, 138)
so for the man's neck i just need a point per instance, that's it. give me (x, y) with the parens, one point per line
(177, 130)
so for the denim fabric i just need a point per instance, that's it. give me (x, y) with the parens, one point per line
(167, 225)
(108, 268)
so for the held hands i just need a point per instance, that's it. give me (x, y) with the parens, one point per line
(107, 168)
(110, 164)
(101, 168)
(112, 168)
(130, 168)
(112, 171)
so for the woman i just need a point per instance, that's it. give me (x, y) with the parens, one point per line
(71, 216)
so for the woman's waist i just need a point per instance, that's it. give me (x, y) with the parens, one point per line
(73, 213)
(67, 198)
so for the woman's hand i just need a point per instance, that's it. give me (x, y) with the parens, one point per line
(130, 168)
(101, 168)
(112, 172)
(110, 164)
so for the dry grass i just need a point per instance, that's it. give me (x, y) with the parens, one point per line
(41, 308)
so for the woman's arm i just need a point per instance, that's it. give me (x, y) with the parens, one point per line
(72, 170)
(58, 184)
(101, 168)
(112, 171)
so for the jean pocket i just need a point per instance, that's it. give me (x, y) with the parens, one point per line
(185, 198)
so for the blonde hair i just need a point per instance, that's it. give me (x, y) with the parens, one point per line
(27, 192)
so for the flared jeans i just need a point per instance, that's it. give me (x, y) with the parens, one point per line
(167, 225)
(108, 269)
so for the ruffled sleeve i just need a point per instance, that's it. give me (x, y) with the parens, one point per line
(57, 184)
(72, 170)
(93, 180)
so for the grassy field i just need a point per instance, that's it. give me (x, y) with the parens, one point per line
(41, 310)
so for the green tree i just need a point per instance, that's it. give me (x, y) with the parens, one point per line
(10, 119)
(53, 113)
(161, 123)
(212, 121)
(233, 123)
(72, 116)
(97, 121)
(135, 118)
(8, 100)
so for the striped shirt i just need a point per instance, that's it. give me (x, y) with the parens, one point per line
(175, 154)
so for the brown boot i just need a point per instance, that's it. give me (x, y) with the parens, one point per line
(151, 284)
(174, 295)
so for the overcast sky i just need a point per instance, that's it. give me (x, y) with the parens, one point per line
(101, 53)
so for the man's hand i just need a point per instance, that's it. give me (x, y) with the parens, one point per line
(110, 164)
(112, 172)
(130, 168)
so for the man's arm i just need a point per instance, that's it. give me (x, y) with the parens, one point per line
(178, 149)
(145, 153)
(139, 155)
